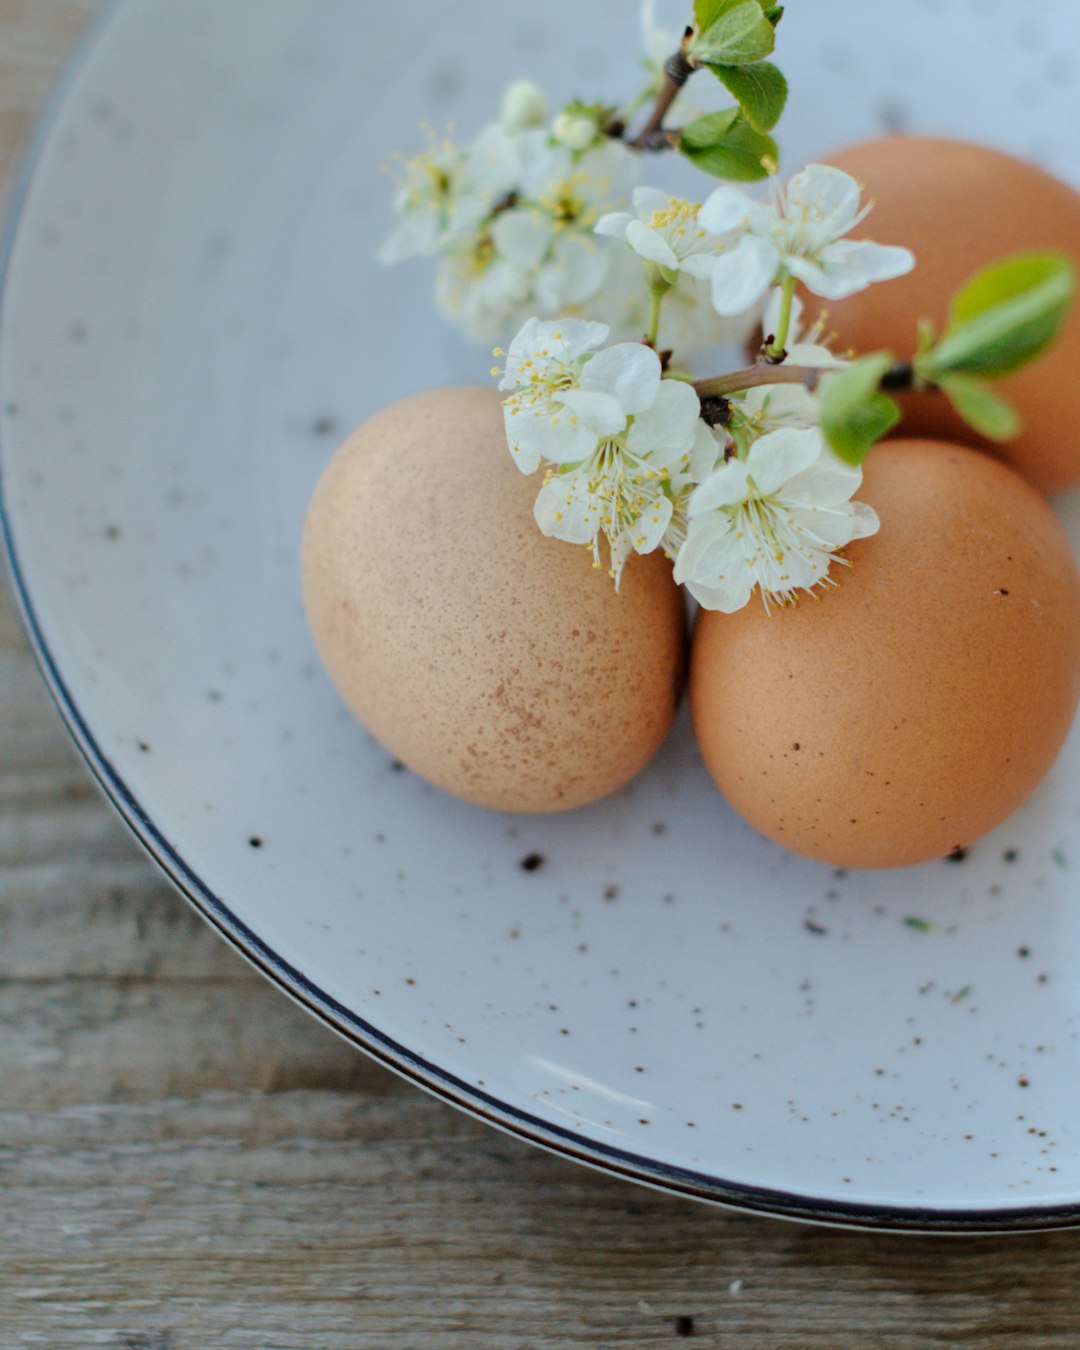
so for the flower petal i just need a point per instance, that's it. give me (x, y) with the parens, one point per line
(649, 201)
(613, 224)
(648, 244)
(727, 598)
(699, 265)
(711, 566)
(548, 434)
(706, 450)
(827, 481)
(629, 372)
(727, 486)
(668, 424)
(725, 210)
(826, 196)
(523, 237)
(865, 522)
(849, 266)
(601, 413)
(544, 342)
(651, 526)
(574, 274)
(742, 276)
(416, 235)
(564, 509)
(775, 458)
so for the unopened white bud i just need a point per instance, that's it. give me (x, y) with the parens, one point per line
(523, 106)
(574, 131)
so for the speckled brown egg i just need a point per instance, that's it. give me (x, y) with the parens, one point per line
(959, 207)
(500, 665)
(914, 706)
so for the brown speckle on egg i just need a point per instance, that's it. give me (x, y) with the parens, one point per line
(938, 709)
(496, 663)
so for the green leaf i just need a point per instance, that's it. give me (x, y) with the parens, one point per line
(706, 12)
(927, 336)
(760, 88)
(740, 35)
(981, 407)
(855, 414)
(727, 146)
(1005, 316)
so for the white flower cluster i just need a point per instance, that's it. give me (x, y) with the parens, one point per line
(541, 227)
(512, 216)
(629, 460)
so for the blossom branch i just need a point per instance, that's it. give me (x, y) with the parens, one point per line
(899, 377)
(677, 70)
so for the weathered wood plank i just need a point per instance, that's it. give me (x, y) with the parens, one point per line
(105, 1041)
(316, 1219)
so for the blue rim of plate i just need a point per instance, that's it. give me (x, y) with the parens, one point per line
(363, 1034)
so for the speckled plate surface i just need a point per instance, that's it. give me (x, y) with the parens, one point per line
(190, 319)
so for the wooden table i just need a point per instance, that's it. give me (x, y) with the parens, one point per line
(188, 1162)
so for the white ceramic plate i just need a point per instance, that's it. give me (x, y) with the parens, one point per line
(191, 318)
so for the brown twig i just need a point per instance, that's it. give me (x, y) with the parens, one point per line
(719, 386)
(677, 70)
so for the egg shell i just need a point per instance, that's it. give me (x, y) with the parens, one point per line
(499, 664)
(960, 207)
(914, 706)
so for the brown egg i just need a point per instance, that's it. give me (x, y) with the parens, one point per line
(913, 707)
(498, 664)
(959, 207)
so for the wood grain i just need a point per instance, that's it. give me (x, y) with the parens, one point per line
(188, 1162)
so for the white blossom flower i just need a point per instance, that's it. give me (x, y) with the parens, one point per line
(546, 361)
(480, 288)
(801, 234)
(622, 490)
(665, 230)
(611, 430)
(563, 195)
(446, 191)
(538, 254)
(775, 520)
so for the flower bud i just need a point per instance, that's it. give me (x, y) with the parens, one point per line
(574, 131)
(523, 106)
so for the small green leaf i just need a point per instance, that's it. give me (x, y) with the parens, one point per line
(981, 407)
(1005, 316)
(727, 146)
(855, 414)
(707, 12)
(740, 35)
(927, 336)
(774, 13)
(760, 88)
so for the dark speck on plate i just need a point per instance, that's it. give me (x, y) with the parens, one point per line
(531, 862)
